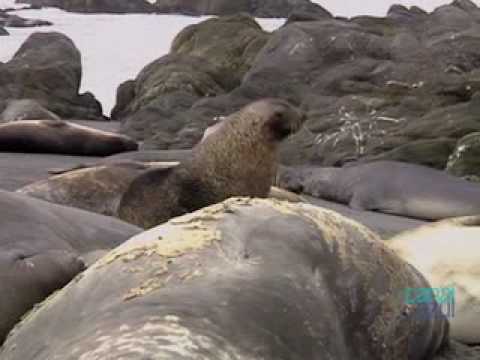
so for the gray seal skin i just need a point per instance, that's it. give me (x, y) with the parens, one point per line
(43, 246)
(242, 279)
(97, 188)
(238, 159)
(389, 187)
(61, 137)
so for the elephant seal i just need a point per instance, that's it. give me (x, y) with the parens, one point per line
(447, 253)
(43, 246)
(389, 187)
(61, 137)
(97, 188)
(239, 159)
(26, 109)
(242, 279)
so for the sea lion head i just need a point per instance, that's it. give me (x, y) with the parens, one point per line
(268, 119)
(276, 118)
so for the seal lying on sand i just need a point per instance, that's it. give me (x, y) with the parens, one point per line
(239, 159)
(388, 186)
(447, 253)
(243, 279)
(61, 137)
(43, 246)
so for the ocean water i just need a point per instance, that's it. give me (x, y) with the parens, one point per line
(114, 48)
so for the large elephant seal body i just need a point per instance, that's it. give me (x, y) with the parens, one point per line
(243, 279)
(239, 159)
(97, 188)
(40, 249)
(447, 253)
(61, 137)
(390, 187)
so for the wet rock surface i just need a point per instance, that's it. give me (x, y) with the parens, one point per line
(47, 68)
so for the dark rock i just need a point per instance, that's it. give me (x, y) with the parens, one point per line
(401, 13)
(3, 31)
(433, 153)
(20, 22)
(96, 6)
(307, 15)
(466, 5)
(268, 8)
(47, 68)
(26, 109)
(465, 160)
(403, 87)
(207, 60)
(125, 95)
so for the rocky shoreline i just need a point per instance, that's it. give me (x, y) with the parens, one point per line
(15, 21)
(267, 9)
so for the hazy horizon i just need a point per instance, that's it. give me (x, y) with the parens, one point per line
(376, 7)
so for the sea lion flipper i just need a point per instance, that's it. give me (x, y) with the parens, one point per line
(55, 123)
(358, 202)
(59, 171)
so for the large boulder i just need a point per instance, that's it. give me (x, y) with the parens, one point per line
(43, 246)
(243, 279)
(207, 60)
(48, 69)
(26, 109)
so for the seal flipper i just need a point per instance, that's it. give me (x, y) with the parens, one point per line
(359, 202)
(59, 171)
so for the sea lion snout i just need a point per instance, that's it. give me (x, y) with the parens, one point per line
(284, 119)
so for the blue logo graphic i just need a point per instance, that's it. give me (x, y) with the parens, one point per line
(429, 300)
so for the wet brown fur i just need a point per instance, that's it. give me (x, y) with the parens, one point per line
(238, 159)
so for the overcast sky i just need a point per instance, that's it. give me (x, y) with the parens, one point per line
(374, 7)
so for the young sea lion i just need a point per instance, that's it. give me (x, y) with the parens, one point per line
(238, 159)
